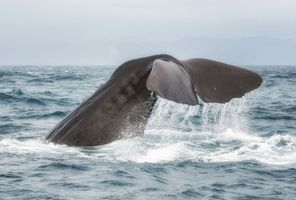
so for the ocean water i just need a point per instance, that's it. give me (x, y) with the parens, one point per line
(245, 149)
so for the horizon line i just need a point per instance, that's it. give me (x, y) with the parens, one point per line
(109, 65)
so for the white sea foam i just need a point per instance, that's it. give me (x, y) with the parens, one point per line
(267, 150)
(273, 150)
(36, 147)
(222, 136)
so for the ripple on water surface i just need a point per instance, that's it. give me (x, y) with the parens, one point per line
(244, 149)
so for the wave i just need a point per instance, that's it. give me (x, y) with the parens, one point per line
(276, 111)
(10, 127)
(68, 77)
(40, 80)
(53, 79)
(43, 98)
(17, 95)
(54, 114)
(15, 73)
(228, 146)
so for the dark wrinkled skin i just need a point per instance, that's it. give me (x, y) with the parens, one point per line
(121, 106)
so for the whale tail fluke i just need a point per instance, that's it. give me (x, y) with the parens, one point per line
(212, 81)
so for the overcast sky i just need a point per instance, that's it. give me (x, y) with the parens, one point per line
(111, 31)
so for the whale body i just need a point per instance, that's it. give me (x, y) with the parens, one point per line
(124, 103)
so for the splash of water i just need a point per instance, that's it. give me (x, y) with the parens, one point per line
(204, 133)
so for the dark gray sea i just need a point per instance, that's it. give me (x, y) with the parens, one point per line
(245, 149)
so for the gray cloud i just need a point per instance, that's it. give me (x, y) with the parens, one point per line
(110, 31)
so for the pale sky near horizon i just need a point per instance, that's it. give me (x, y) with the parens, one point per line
(85, 32)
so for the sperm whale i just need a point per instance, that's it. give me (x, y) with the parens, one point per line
(125, 102)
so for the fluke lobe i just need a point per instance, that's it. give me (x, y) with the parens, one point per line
(121, 107)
